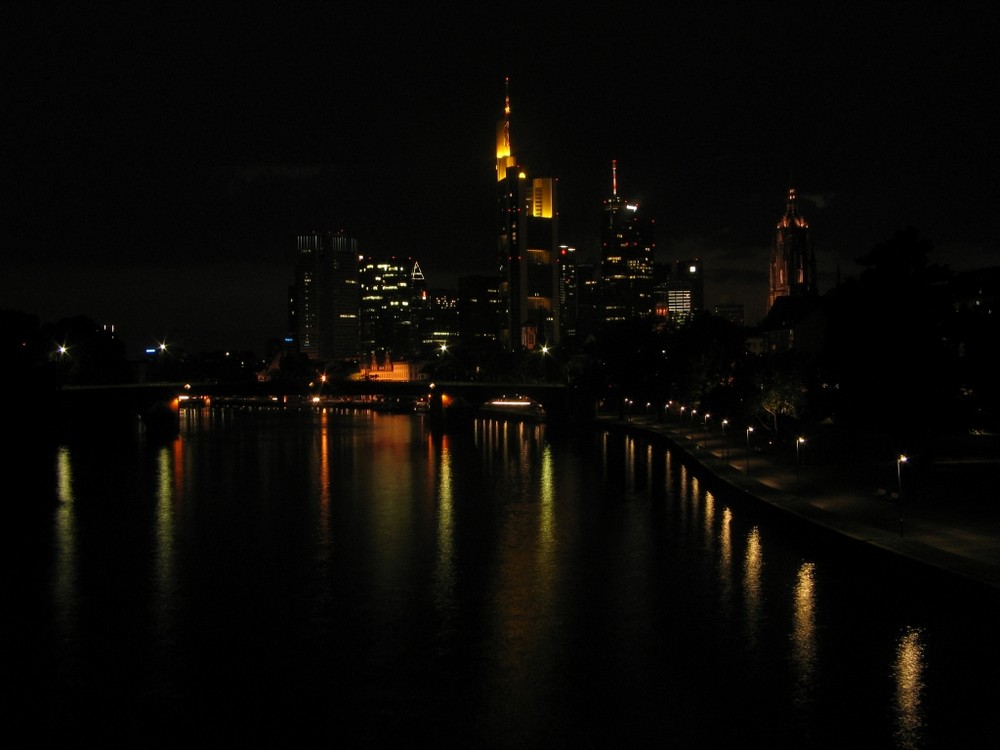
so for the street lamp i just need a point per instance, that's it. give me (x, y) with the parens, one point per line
(680, 419)
(725, 443)
(704, 431)
(749, 430)
(799, 442)
(899, 485)
(693, 426)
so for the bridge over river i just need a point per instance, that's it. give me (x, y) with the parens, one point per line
(155, 407)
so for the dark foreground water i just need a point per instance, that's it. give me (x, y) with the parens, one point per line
(305, 577)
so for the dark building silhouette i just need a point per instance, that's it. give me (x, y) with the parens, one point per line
(626, 259)
(733, 313)
(587, 301)
(478, 310)
(793, 261)
(568, 295)
(527, 250)
(327, 295)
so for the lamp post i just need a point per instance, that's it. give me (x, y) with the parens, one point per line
(725, 443)
(542, 364)
(799, 442)
(704, 431)
(680, 419)
(693, 426)
(749, 430)
(899, 485)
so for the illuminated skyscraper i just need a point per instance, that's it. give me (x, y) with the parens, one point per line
(389, 302)
(686, 290)
(327, 296)
(568, 293)
(527, 247)
(626, 259)
(793, 262)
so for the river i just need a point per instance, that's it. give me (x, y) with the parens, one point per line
(310, 576)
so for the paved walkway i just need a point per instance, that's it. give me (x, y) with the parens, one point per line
(946, 515)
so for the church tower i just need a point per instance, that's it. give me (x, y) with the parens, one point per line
(793, 262)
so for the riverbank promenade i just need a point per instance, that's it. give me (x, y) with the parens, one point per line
(943, 513)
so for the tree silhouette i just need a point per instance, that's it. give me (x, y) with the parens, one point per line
(885, 350)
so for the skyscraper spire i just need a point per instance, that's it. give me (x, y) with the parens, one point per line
(506, 113)
(614, 177)
(505, 160)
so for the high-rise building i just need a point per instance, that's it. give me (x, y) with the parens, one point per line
(793, 261)
(627, 252)
(661, 294)
(527, 249)
(389, 302)
(440, 322)
(327, 296)
(686, 290)
(568, 294)
(478, 306)
(587, 297)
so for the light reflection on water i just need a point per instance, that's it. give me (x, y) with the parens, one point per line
(908, 671)
(804, 632)
(541, 572)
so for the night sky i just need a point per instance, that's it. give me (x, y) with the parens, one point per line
(160, 159)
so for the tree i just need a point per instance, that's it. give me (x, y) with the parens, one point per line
(779, 385)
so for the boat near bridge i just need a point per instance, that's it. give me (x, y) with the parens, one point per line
(514, 407)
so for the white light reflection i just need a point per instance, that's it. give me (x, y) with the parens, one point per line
(753, 565)
(804, 632)
(709, 520)
(546, 498)
(630, 459)
(64, 579)
(908, 673)
(165, 522)
(683, 494)
(168, 486)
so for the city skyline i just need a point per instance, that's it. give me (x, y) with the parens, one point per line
(165, 162)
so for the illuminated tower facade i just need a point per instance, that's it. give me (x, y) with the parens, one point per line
(527, 250)
(686, 290)
(626, 259)
(389, 302)
(793, 262)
